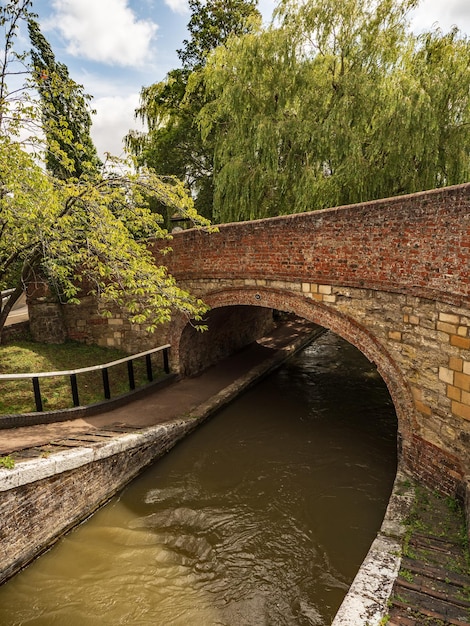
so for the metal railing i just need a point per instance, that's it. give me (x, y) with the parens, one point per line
(72, 374)
(4, 295)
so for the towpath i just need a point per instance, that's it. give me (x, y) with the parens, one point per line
(206, 392)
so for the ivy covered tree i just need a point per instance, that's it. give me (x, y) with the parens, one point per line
(336, 102)
(173, 143)
(80, 227)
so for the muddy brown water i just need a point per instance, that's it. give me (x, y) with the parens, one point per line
(262, 517)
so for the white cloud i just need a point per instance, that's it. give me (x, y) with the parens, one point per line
(104, 30)
(178, 6)
(113, 120)
(444, 14)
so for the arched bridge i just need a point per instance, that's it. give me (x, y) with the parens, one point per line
(389, 276)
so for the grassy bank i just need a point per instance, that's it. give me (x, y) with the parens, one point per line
(29, 357)
(433, 584)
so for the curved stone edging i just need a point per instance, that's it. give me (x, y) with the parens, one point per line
(26, 472)
(365, 603)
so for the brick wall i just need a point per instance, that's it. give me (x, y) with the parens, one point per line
(15, 331)
(418, 244)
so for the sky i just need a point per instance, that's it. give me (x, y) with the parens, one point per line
(115, 47)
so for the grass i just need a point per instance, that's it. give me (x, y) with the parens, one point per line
(441, 517)
(30, 357)
(7, 461)
(437, 515)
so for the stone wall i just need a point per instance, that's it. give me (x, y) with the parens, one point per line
(85, 323)
(46, 323)
(19, 331)
(229, 330)
(421, 348)
(53, 322)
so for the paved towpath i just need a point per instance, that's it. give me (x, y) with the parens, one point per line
(178, 399)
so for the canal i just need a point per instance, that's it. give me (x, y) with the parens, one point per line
(262, 517)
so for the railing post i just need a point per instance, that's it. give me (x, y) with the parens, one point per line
(37, 394)
(107, 391)
(130, 372)
(166, 364)
(148, 361)
(73, 384)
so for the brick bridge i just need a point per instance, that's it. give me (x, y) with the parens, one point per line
(389, 276)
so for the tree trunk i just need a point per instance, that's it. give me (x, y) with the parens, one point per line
(9, 305)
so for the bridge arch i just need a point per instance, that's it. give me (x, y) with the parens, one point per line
(338, 322)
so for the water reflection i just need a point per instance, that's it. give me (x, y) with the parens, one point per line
(262, 517)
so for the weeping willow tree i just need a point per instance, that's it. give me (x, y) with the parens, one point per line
(336, 102)
(173, 142)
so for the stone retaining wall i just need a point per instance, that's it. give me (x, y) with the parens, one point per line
(15, 331)
(229, 330)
